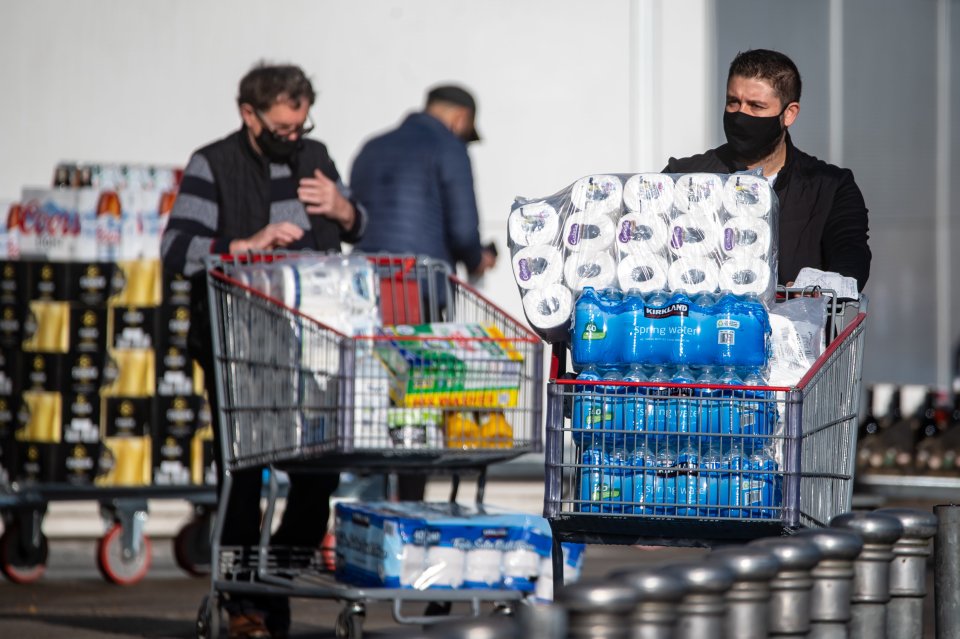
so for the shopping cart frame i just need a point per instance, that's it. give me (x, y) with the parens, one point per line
(294, 572)
(826, 399)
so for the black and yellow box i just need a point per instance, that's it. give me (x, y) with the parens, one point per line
(139, 283)
(130, 372)
(34, 462)
(133, 326)
(126, 417)
(40, 417)
(88, 329)
(13, 282)
(76, 464)
(125, 461)
(47, 281)
(90, 283)
(81, 418)
(46, 327)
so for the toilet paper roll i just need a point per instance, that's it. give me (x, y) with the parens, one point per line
(698, 193)
(535, 223)
(641, 233)
(483, 567)
(748, 195)
(647, 273)
(694, 275)
(743, 275)
(443, 566)
(589, 269)
(537, 266)
(694, 235)
(745, 237)
(549, 307)
(588, 232)
(649, 193)
(521, 563)
(597, 194)
(412, 561)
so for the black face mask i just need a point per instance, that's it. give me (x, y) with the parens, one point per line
(276, 148)
(752, 138)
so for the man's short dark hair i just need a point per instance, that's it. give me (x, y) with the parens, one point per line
(772, 66)
(265, 83)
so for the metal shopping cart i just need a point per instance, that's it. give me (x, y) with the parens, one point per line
(296, 394)
(699, 464)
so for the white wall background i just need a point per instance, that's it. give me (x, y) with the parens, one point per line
(565, 87)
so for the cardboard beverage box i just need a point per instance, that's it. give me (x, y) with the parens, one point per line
(88, 329)
(46, 281)
(172, 460)
(13, 281)
(126, 417)
(41, 371)
(133, 326)
(34, 463)
(46, 327)
(132, 371)
(139, 283)
(40, 417)
(125, 461)
(81, 418)
(178, 416)
(76, 463)
(175, 372)
(11, 325)
(90, 283)
(173, 325)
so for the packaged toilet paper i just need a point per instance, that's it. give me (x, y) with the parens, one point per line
(696, 233)
(442, 546)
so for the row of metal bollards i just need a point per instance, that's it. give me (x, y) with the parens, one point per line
(863, 577)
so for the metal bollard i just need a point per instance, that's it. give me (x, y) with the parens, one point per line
(791, 589)
(489, 628)
(832, 580)
(947, 570)
(871, 571)
(702, 610)
(748, 600)
(908, 572)
(656, 613)
(598, 609)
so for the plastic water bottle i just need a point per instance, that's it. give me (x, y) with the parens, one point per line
(705, 312)
(708, 408)
(762, 489)
(708, 480)
(589, 333)
(614, 398)
(681, 329)
(731, 404)
(743, 326)
(593, 461)
(732, 465)
(635, 406)
(643, 463)
(757, 416)
(688, 464)
(657, 346)
(657, 403)
(665, 481)
(619, 476)
(632, 327)
(680, 413)
(587, 409)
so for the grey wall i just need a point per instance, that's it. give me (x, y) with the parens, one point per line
(887, 133)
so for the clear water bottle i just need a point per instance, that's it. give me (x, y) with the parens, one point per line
(732, 465)
(688, 465)
(759, 410)
(613, 428)
(681, 410)
(635, 406)
(643, 463)
(631, 329)
(593, 462)
(731, 404)
(665, 480)
(657, 402)
(708, 480)
(763, 488)
(590, 333)
(708, 407)
(587, 410)
(619, 476)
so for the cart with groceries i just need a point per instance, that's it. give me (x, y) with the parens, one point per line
(691, 400)
(99, 397)
(375, 364)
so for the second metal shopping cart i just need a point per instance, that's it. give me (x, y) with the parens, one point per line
(658, 463)
(297, 394)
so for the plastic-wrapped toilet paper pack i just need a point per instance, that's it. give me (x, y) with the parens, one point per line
(441, 546)
(341, 292)
(647, 232)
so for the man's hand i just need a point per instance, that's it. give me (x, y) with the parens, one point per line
(272, 236)
(322, 197)
(488, 259)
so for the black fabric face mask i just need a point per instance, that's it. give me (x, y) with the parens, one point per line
(751, 137)
(275, 148)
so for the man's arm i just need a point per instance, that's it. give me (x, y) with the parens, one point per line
(461, 219)
(845, 234)
(324, 193)
(191, 232)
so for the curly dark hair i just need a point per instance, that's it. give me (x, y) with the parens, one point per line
(772, 66)
(265, 83)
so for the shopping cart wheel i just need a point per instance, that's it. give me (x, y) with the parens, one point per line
(118, 566)
(19, 563)
(350, 622)
(502, 609)
(208, 618)
(191, 548)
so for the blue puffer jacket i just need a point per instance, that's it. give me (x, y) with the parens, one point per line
(416, 185)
